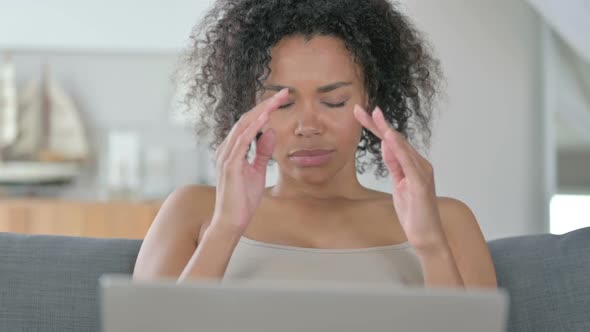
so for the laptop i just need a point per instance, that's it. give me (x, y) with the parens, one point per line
(210, 306)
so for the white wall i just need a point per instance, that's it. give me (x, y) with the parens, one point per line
(103, 26)
(487, 146)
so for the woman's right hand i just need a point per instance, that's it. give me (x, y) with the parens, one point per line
(240, 185)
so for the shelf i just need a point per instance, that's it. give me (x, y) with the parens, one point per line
(78, 218)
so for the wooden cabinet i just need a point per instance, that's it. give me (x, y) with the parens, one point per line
(89, 219)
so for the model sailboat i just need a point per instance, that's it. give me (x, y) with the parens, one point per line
(43, 139)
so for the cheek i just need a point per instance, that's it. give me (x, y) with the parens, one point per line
(347, 125)
(279, 119)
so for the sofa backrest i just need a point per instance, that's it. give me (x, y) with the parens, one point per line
(548, 279)
(51, 282)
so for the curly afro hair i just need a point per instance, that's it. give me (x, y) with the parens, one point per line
(229, 55)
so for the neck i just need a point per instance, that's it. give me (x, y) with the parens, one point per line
(343, 185)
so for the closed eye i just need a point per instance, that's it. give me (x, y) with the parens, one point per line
(285, 105)
(342, 104)
(335, 105)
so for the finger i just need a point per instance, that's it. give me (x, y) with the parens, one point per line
(395, 169)
(401, 152)
(366, 120)
(243, 142)
(264, 148)
(219, 152)
(271, 103)
(379, 119)
(246, 119)
(384, 127)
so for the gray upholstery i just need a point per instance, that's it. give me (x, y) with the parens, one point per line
(50, 283)
(548, 279)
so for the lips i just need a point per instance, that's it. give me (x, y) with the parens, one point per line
(310, 153)
(311, 158)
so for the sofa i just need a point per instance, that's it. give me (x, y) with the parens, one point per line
(50, 283)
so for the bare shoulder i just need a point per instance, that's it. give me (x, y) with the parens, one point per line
(463, 234)
(455, 214)
(459, 223)
(173, 235)
(192, 204)
(467, 243)
(187, 207)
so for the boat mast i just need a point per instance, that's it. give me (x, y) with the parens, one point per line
(44, 144)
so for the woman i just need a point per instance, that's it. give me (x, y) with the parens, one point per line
(318, 85)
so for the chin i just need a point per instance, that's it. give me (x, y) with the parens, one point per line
(312, 175)
(314, 179)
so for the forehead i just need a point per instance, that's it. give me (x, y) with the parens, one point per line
(321, 58)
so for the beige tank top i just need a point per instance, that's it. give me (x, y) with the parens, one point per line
(254, 260)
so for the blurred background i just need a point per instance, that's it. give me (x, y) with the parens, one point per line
(91, 141)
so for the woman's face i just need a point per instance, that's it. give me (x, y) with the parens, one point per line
(324, 84)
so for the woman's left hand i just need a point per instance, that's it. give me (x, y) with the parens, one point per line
(414, 195)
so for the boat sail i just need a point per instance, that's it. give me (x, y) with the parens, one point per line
(50, 143)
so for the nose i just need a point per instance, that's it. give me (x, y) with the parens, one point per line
(308, 122)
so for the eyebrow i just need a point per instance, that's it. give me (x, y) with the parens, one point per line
(322, 89)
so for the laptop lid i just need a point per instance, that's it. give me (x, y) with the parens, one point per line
(293, 306)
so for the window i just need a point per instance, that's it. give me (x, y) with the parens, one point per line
(569, 212)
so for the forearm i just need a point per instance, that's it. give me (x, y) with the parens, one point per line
(212, 255)
(439, 268)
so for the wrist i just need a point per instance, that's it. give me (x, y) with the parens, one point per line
(432, 245)
(434, 249)
(224, 231)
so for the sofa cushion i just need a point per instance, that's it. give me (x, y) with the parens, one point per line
(51, 283)
(548, 279)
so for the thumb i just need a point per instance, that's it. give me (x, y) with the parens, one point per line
(264, 148)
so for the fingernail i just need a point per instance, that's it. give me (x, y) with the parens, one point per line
(279, 94)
